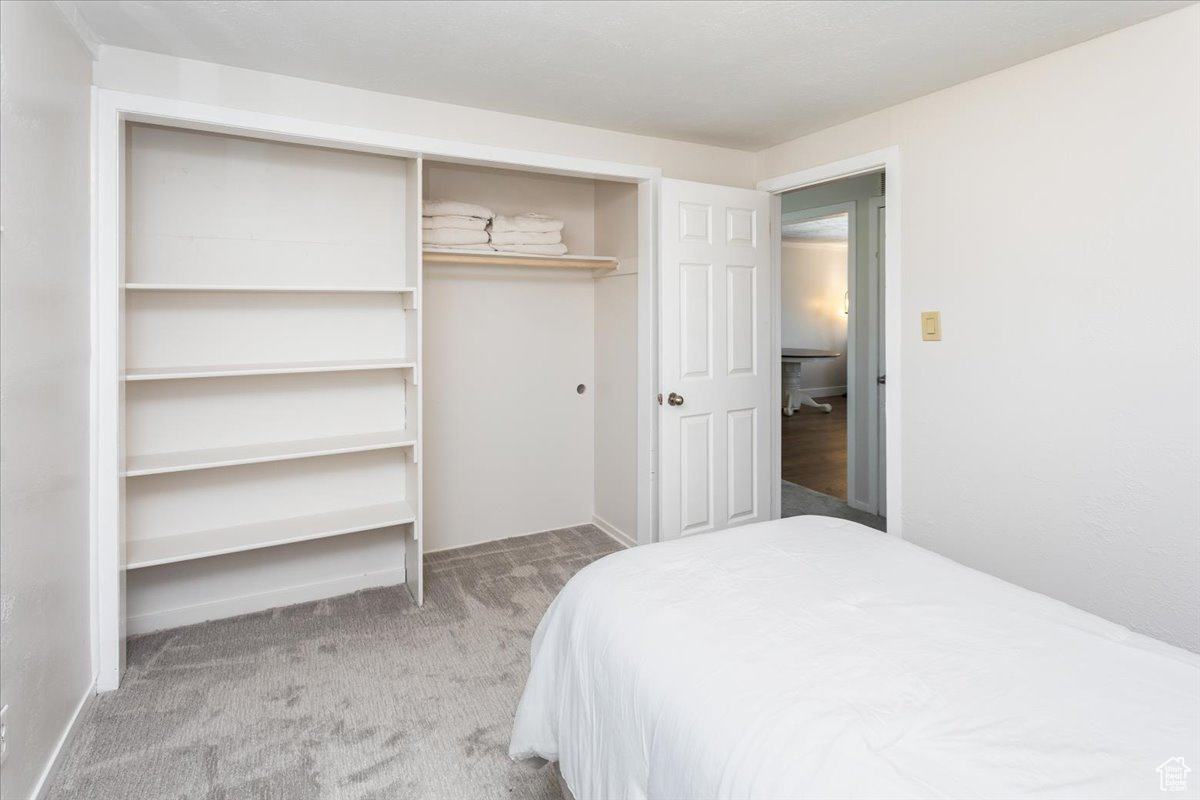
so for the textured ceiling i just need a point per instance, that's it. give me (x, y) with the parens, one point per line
(738, 74)
(835, 228)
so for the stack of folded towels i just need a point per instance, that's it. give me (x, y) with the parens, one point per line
(456, 226)
(453, 225)
(528, 233)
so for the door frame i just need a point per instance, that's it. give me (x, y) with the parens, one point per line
(887, 159)
(850, 209)
(111, 110)
(878, 344)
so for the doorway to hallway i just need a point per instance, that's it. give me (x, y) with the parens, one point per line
(831, 326)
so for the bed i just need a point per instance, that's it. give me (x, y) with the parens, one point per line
(816, 658)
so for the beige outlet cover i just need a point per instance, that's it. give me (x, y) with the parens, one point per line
(931, 326)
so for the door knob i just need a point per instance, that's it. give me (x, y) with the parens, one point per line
(674, 399)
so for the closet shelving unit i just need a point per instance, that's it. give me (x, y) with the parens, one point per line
(217, 287)
(214, 457)
(271, 350)
(502, 259)
(269, 533)
(268, 368)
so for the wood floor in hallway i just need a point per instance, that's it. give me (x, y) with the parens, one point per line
(814, 448)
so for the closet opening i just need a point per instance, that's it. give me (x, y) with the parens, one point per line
(296, 397)
(531, 355)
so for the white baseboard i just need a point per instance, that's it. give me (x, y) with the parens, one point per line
(64, 741)
(621, 537)
(261, 601)
(503, 537)
(609, 530)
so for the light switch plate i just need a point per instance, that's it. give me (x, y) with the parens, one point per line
(931, 326)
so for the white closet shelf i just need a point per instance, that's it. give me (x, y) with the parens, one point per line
(283, 368)
(500, 259)
(203, 544)
(186, 460)
(222, 287)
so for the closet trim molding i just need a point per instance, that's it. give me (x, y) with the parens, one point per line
(111, 110)
(117, 107)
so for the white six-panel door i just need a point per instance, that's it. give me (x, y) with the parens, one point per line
(714, 457)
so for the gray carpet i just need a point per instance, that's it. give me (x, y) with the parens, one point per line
(799, 500)
(361, 696)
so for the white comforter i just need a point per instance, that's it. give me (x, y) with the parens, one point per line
(815, 658)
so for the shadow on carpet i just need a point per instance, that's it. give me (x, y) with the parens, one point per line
(800, 500)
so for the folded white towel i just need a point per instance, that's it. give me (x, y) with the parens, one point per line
(454, 236)
(529, 223)
(526, 237)
(454, 221)
(534, 249)
(486, 247)
(442, 208)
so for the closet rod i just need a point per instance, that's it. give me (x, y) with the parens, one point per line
(499, 259)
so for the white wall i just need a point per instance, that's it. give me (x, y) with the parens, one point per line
(45, 576)
(1049, 212)
(202, 82)
(813, 284)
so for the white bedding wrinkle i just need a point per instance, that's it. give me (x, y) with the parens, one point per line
(815, 658)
